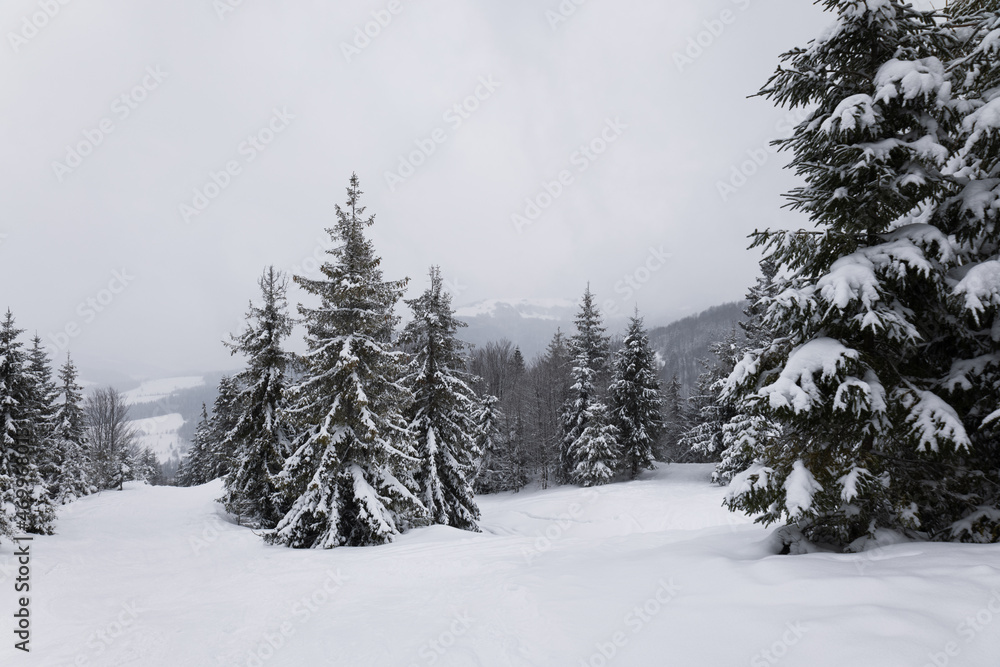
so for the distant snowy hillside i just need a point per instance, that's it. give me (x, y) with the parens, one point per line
(162, 435)
(166, 411)
(541, 309)
(528, 323)
(155, 390)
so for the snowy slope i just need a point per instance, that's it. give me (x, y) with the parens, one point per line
(652, 573)
(154, 390)
(540, 309)
(160, 434)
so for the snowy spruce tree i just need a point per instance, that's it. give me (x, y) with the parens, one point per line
(590, 448)
(635, 401)
(971, 217)
(442, 416)
(43, 414)
(70, 440)
(490, 473)
(880, 373)
(199, 461)
(708, 410)
(25, 506)
(348, 482)
(226, 411)
(260, 438)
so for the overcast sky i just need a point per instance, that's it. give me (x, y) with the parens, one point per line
(183, 85)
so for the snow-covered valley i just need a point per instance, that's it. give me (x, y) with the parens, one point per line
(653, 572)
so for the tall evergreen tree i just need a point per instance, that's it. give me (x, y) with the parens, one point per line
(347, 481)
(442, 416)
(875, 314)
(24, 499)
(43, 413)
(70, 439)
(226, 411)
(709, 411)
(971, 215)
(636, 401)
(490, 476)
(198, 463)
(260, 438)
(590, 451)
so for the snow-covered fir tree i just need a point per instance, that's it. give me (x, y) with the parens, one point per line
(260, 438)
(881, 373)
(708, 410)
(970, 217)
(490, 477)
(43, 413)
(590, 450)
(70, 439)
(349, 481)
(635, 400)
(199, 461)
(25, 506)
(744, 428)
(226, 410)
(442, 416)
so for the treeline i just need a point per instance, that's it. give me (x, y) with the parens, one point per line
(55, 445)
(375, 430)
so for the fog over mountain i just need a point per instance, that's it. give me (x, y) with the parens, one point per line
(158, 155)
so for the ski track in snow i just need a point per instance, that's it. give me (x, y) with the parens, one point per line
(159, 576)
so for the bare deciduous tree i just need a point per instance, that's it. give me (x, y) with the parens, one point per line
(112, 437)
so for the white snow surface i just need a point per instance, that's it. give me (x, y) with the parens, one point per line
(654, 572)
(155, 390)
(160, 434)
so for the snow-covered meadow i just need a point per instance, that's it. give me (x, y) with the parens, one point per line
(652, 572)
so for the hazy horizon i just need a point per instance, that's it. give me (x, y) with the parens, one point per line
(161, 155)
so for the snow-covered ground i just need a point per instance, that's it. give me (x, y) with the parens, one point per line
(154, 390)
(652, 572)
(160, 434)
